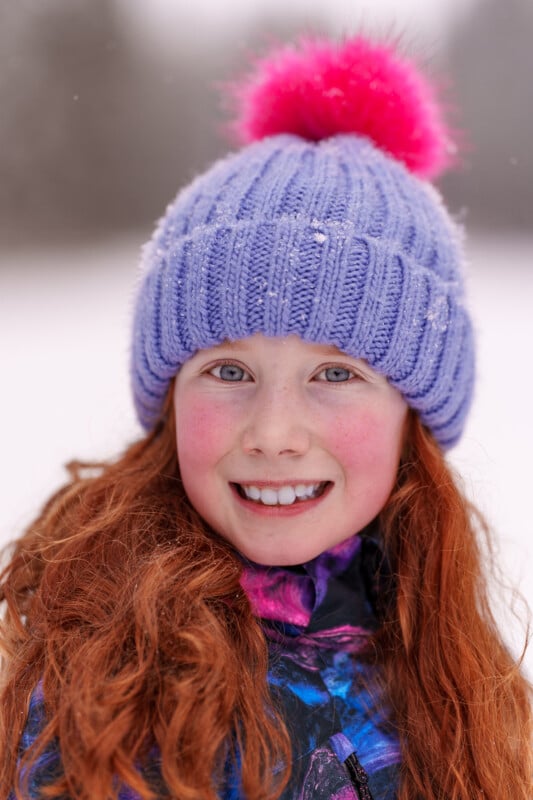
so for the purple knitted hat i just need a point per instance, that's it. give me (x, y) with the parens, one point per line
(334, 240)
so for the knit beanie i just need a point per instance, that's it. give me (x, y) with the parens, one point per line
(324, 226)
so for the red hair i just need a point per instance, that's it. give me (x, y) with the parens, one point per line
(461, 706)
(131, 612)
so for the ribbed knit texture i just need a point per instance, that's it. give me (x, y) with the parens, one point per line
(334, 241)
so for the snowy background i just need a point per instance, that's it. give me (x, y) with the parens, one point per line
(108, 107)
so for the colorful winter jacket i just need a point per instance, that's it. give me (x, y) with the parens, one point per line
(317, 618)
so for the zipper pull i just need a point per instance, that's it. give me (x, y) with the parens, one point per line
(358, 777)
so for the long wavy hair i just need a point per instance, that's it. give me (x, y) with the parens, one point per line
(130, 611)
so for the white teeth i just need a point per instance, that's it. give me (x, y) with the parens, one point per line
(269, 497)
(284, 496)
(253, 492)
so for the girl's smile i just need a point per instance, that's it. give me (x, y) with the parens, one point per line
(283, 493)
(286, 448)
(284, 499)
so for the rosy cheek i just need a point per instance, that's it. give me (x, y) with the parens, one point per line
(350, 434)
(366, 440)
(202, 430)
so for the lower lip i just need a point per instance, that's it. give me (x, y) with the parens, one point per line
(298, 507)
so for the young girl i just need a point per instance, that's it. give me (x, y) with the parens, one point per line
(278, 592)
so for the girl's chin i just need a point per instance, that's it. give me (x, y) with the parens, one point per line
(282, 557)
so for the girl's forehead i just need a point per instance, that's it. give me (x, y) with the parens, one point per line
(258, 342)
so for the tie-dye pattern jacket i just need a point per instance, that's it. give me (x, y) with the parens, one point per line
(317, 618)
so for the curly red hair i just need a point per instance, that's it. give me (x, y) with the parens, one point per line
(131, 613)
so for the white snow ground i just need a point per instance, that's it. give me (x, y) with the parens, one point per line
(64, 322)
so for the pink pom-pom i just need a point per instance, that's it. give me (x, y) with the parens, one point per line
(318, 89)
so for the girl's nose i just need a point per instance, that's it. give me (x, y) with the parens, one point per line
(278, 425)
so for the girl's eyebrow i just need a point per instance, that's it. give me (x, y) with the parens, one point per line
(232, 346)
(319, 349)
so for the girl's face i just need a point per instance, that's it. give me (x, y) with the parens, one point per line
(286, 448)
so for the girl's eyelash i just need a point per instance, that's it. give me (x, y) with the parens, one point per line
(208, 370)
(354, 373)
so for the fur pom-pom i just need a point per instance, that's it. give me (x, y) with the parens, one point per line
(318, 89)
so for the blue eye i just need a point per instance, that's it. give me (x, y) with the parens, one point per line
(335, 374)
(230, 372)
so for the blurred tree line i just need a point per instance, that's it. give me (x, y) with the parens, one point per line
(97, 133)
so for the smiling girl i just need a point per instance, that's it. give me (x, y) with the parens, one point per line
(278, 591)
(286, 448)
